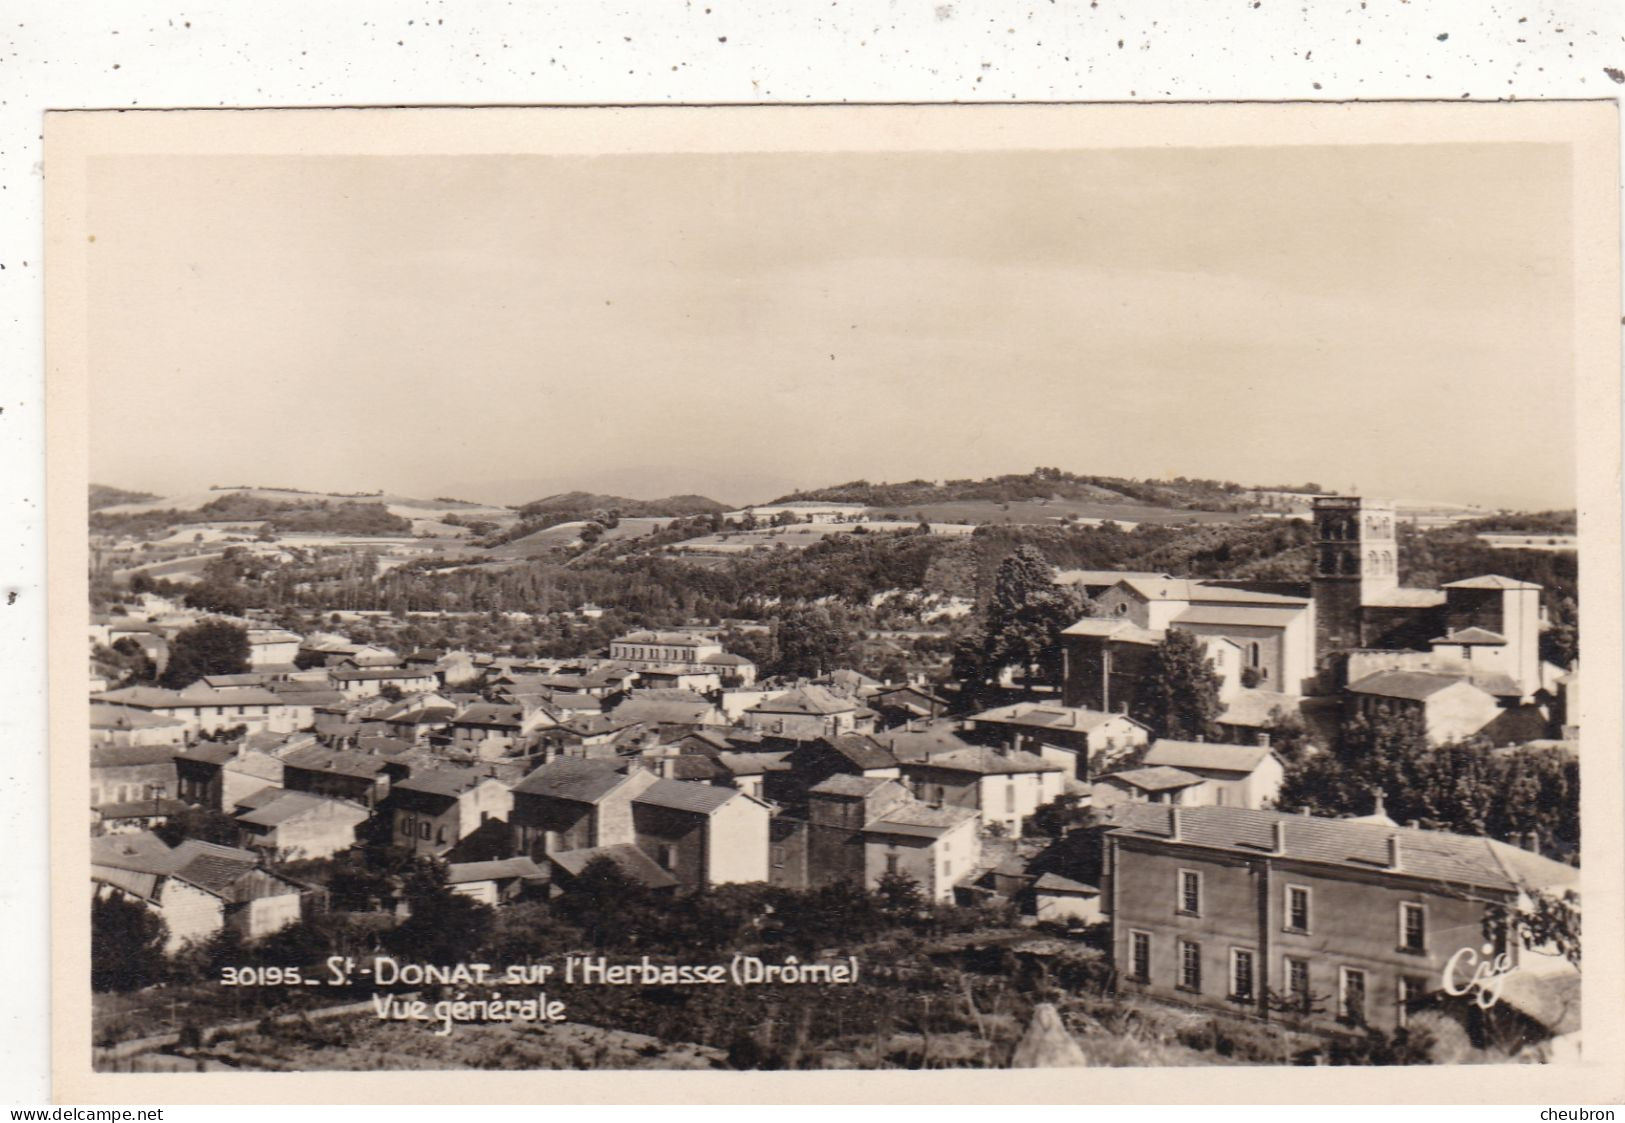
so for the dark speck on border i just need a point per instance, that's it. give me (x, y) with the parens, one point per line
(1615, 73)
(1442, 36)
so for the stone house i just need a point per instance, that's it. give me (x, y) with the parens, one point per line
(1325, 923)
(295, 825)
(433, 811)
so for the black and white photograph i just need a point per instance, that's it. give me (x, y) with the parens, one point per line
(845, 590)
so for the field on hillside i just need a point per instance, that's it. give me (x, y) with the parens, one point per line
(565, 535)
(798, 536)
(404, 506)
(984, 511)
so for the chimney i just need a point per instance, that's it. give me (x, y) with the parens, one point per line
(1378, 807)
(1395, 858)
(1201, 737)
(1173, 822)
(1280, 837)
(1263, 740)
(1304, 812)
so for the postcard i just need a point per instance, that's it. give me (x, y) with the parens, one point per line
(835, 604)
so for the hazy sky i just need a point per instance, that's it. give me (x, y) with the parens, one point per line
(1397, 318)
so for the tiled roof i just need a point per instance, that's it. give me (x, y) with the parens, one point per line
(1123, 630)
(1157, 779)
(845, 784)
(681, 795)
(890, 692)
(291, 805)
(137, 850)
(1055, 883)
(130, 756)
(657, 711)
(106, 715)
(317, 758)
(206, 753)
(861, 749)
(490, 714)
(665, 639)
(1050, 716)
(574, 779)
(379, 676)
(631, 861)
(441, 781)
(1406, 598)
(140, 808)
(692, 766)
(1252, 709)
(1432, 855)
(1204, 754)
(260, 798)
(461, 873)
(726, 659)
(804, 700)
(1472, 636)
(1205, 592)
(210, 867)
(1230, 616)
(754, 764)
(920, 820)
(1414, 685)
(1495, 682)
(1490, 581)
(983, 761)
(921, 744)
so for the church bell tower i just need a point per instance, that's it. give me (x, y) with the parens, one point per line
(1356, 563)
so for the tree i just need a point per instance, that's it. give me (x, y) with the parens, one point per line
(209, 647)
(126, 945)
(445, 927)
(215, 595)
(1025, 616)
(1178, 697)
(811, 641)
(202, 824)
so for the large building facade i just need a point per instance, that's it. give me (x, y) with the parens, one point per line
(1326, 923)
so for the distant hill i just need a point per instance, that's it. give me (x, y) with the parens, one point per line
(101, 495)
(585, 503)
(1042, 483)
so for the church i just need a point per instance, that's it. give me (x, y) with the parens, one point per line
(1353, 631)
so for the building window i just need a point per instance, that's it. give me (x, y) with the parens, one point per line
(1190, 893)
(1139, 956)
(423, 831)
(1010, 797)
(1190, 966)
(891, 863)
(406, 827)
(1413, 927)
(1297, 908)
(1241, 974)
(668, 857)
(1254, 654)
(1411, 992)
(1297, 984)
(1351, 996)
